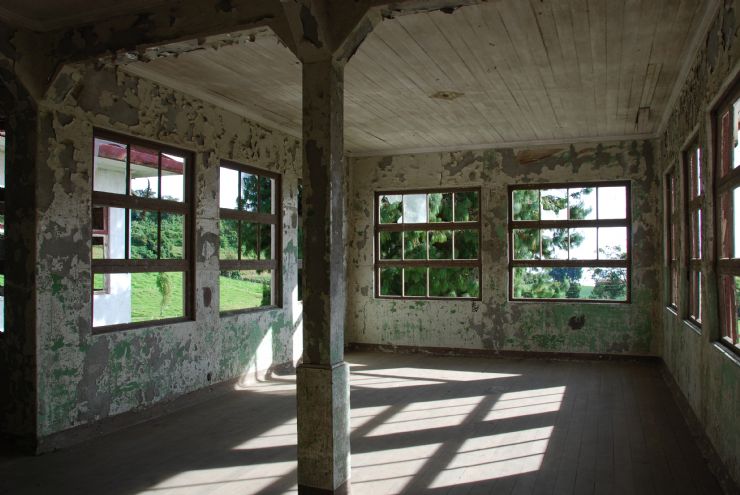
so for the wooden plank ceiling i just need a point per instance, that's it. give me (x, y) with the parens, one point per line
(502, 72)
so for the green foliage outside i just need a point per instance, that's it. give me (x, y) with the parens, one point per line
(244, 289)
(147, 300)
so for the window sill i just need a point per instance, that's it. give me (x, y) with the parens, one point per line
(571, 301)
(729, 353)
(135, 326)
(691, 325)
(245, 311)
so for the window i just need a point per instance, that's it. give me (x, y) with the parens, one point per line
(3, 154)
(141, 231)
(249, 237)
(299, 236)
(727, 184)
(570, 241)
(428, 244)
(672, 227)
(694, 202)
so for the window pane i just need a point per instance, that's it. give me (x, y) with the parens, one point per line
(414, 208)
(391, 208)
(229, 240)
(440, 244)
(249, 240)
(583, 244)
(228, 186)
(674, 284)
(454, 282)
(137, 297)
(695, 295)
(466, 244)
(415, 282)
(736, 134)
(582, 203)
(249, 185)
(415, 245)
(440, 207)
(111, 242)
(266, 242)
(390, 282)
(570, 283)
(144, 234)
(612, 243)
(696, 162)
(3, 154)
(144, 172)
(300, 284)
(390, 245)
(466, 206)
(695, 225)
(100, 282)
(245, 289)
(266, 192)
(526, 204)
(526, 244)
(109, 167)
(554, 244)
(612, 202)
(736, 222)
(554, 203)
(173, 177)
(173, 236)
(730, 304)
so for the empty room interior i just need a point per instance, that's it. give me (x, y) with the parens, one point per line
(369, 247)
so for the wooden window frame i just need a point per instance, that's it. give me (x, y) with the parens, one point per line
(694, 195)
(129, 202)
(564, 224)
(4, 131)
(427, 226)
(299, 239)
(726, 180)
(276, 219)
(672, 226)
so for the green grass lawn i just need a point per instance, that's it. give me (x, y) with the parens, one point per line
(241, 294)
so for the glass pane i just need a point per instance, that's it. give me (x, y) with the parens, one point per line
(299, 240)
(695, 295)
(249, 185)
(137, 297)
(454, 282)
(696, 162)
(390, 245)
(730, 305)
(415, 282)
(440, 244)
(695, 225)
(526, 244)
(612, 243)
(736, 222)
(440, 207)
(570, 283)
(100, 282)
(229, 239)
(144, 234)
(674, 284)
(266, 242)
(414, 208)
(725, 226)
(266, 193)
(144, 172)
(736, 134)
(173, 177)
(115, 243)
(612, 202)
(466, 206)
(583, 244)
(109, 166)
(99, 248)
(554, 204)
(415, 245)
(300, 284)
(299, 206)
(526, 204)
(466, 244)
(390, 282)
(244, 289)
(582, 203)
(249, 240)
(554, 244)
(391, 208)
(3, 154)
(228, 186)
(173, 236)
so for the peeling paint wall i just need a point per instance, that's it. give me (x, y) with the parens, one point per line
(706, 372)
(495, 323)
(89, 377)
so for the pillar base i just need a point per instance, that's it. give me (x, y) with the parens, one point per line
(323, 428)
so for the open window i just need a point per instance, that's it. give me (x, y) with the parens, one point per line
(141, 233)
(570, 242)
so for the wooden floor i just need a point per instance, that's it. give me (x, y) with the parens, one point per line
(419, 425)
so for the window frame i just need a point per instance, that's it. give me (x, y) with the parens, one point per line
(275, 219)
(129, 202)
(725, 267)
(4, 129)
(693, 202)
(672, 228)
(299, 240)
(560, 224)
(378, 263)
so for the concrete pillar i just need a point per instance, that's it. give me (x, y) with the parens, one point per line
(323, 377)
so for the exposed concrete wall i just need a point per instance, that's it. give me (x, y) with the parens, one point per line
(707, 374)
(495, 322)
(89, 377)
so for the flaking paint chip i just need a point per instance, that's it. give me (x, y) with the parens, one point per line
(446, 95)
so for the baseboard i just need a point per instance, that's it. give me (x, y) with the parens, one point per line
(716, 465)
(492, 353)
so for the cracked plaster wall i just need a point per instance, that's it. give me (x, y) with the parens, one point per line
(88, 377)
(495, 323)
(707, 373)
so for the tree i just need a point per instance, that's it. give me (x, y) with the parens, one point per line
(164, 285)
